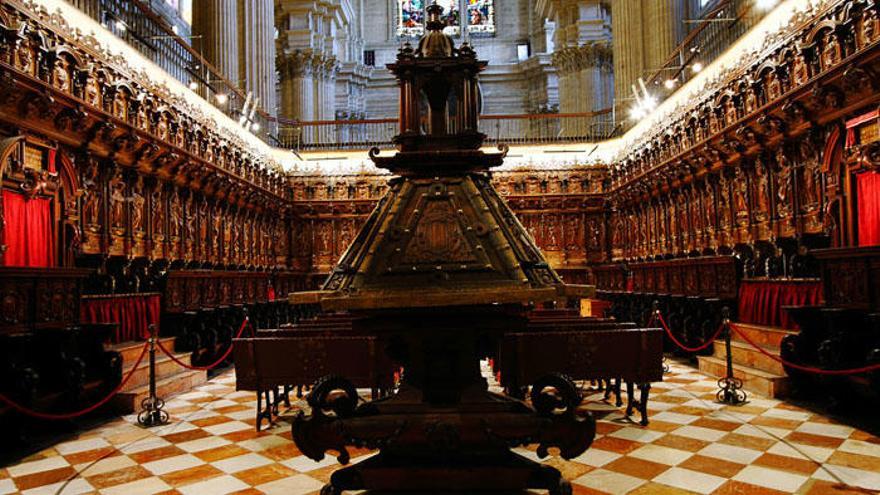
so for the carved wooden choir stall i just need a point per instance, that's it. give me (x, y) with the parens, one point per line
(441, 274)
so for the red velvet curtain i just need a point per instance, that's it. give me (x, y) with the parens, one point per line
(28, 231)
(134, 314)
(761, 302)
(869, 208)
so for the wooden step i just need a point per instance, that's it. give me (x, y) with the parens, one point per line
(165, 367)
(746, 355)
(754, 380)
(762, 335)
(183, 381)
(131, 350)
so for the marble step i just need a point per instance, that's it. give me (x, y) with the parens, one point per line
(743, 353)
(178, 383)
(754, 380)
(762, 335)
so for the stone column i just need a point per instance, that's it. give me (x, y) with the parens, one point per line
(296, 91)
(216, 21)
(627, 42)
(659, 19)
(257, 57)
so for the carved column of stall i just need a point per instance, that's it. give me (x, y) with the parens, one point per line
(257, 57)
(215, 24)
(297, 93)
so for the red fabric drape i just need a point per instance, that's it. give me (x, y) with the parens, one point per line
(134, 314)
(851, 125)
(761, 301)
(869, 208)
(51, 165)
(28, 231)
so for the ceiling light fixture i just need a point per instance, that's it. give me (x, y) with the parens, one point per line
(765, 5)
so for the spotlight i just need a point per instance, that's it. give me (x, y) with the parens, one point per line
(221, 98)
(120, 26)
(255, 127)
(193, 85)
(174, 29)
(697, 67)
(670, 83)
(765, 5)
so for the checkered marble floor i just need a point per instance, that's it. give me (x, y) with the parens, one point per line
(692, 445)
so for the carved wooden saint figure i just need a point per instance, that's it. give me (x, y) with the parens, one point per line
(117, 202)
(120, 105)
(189, 230)
(800, 70)
(175, 215)
(869, 28)
(832, 53)
(157, 211)
(730, 112)
(783, 185)
(25, 58)
(811, 177)
(709, 206)
(772, 85)
(137, 206)
(92, 91)
(741, 194)
(751, 99)
(162, 127)
(761, 188)
(216, 232)
(91, 209)
(61, 74)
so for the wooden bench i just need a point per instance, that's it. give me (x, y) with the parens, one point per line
(263, 364)
(583, 355)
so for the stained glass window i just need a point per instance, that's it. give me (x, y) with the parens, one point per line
(481, 16)
(450, 16)
(411, 17)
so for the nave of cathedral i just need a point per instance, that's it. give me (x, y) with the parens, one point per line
(396, 246)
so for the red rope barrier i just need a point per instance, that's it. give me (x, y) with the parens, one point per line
(800, 367)
(701, 347)
(36, 414)
(212, 365)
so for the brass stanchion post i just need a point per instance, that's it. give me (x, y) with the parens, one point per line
(730, 387)
(655, 306)
(152, 413)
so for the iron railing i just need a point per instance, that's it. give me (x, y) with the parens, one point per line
(718, 29)
(510, 129)
(142, 27)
